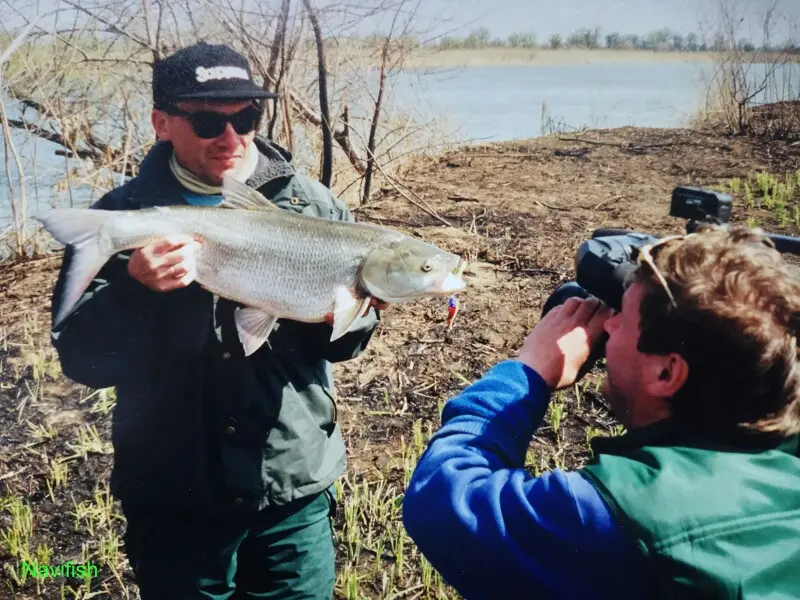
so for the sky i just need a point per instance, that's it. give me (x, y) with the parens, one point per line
(542, 17)
(547, 17)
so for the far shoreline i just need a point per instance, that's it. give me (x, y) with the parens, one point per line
(502, 57)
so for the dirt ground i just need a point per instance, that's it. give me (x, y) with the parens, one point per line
(517, 211)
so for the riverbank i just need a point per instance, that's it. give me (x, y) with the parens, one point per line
(364, 54)
(499, 57)
(517, 211)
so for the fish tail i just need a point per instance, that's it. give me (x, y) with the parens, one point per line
(80, 228)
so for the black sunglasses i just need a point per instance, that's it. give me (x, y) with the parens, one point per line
(208, 124)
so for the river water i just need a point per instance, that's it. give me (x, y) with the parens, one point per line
(473, 104)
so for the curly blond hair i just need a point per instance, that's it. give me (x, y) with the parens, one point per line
(736, 323)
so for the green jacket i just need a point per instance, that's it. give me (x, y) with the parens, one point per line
(198, 426)
(715, 521)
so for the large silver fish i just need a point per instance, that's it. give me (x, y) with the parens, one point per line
(277, 263)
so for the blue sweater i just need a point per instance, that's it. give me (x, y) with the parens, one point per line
(492, 530)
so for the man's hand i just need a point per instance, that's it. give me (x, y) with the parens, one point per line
(165, 265)
(373, 303)
(562, 341)
(376, 304)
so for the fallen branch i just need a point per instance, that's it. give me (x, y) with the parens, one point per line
(576, 153)
(421, 204)
(495, 154)
(540, 272)
(595, 142)
(633, 146)
(45, 134)
(604, 202)
(540, 203)
(97, 151)
(28, 103)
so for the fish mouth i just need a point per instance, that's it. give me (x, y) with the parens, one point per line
(451, 284)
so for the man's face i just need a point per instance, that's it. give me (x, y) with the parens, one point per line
(632, 382)
(209, 159)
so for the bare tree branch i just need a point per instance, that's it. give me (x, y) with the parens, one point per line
(278, 40)
(152, 36)
(342, 137)
(190, 16)
(376, 115)
(111, 27)
(327, 138)
(18, 213)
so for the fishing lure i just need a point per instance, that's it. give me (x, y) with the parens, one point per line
(452, 310)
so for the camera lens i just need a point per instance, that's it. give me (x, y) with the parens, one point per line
(562, 293)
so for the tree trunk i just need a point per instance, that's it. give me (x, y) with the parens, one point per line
(373, 130)
(273, 79)
(327, 136)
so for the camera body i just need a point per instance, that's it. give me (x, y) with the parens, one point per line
(604, 262)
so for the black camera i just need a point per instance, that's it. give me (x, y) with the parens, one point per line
(603, 263)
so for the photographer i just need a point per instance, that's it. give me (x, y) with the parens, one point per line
(699, 499)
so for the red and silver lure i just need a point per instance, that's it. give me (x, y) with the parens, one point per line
(452, 310)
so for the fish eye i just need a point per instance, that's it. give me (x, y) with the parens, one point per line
(426, 266)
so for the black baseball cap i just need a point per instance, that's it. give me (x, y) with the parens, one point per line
(204, 72)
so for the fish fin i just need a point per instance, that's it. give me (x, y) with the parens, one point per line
(254, 326)
(347, 309)
(238, 195)
(80, 228)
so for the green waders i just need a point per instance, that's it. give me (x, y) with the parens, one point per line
(285, 553)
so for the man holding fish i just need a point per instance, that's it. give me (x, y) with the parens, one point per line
(213, 291)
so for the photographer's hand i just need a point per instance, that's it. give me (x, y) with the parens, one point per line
(562, 341)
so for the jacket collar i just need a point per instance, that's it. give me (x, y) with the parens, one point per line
(660, 433)
(157, 186)
(668, 432)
